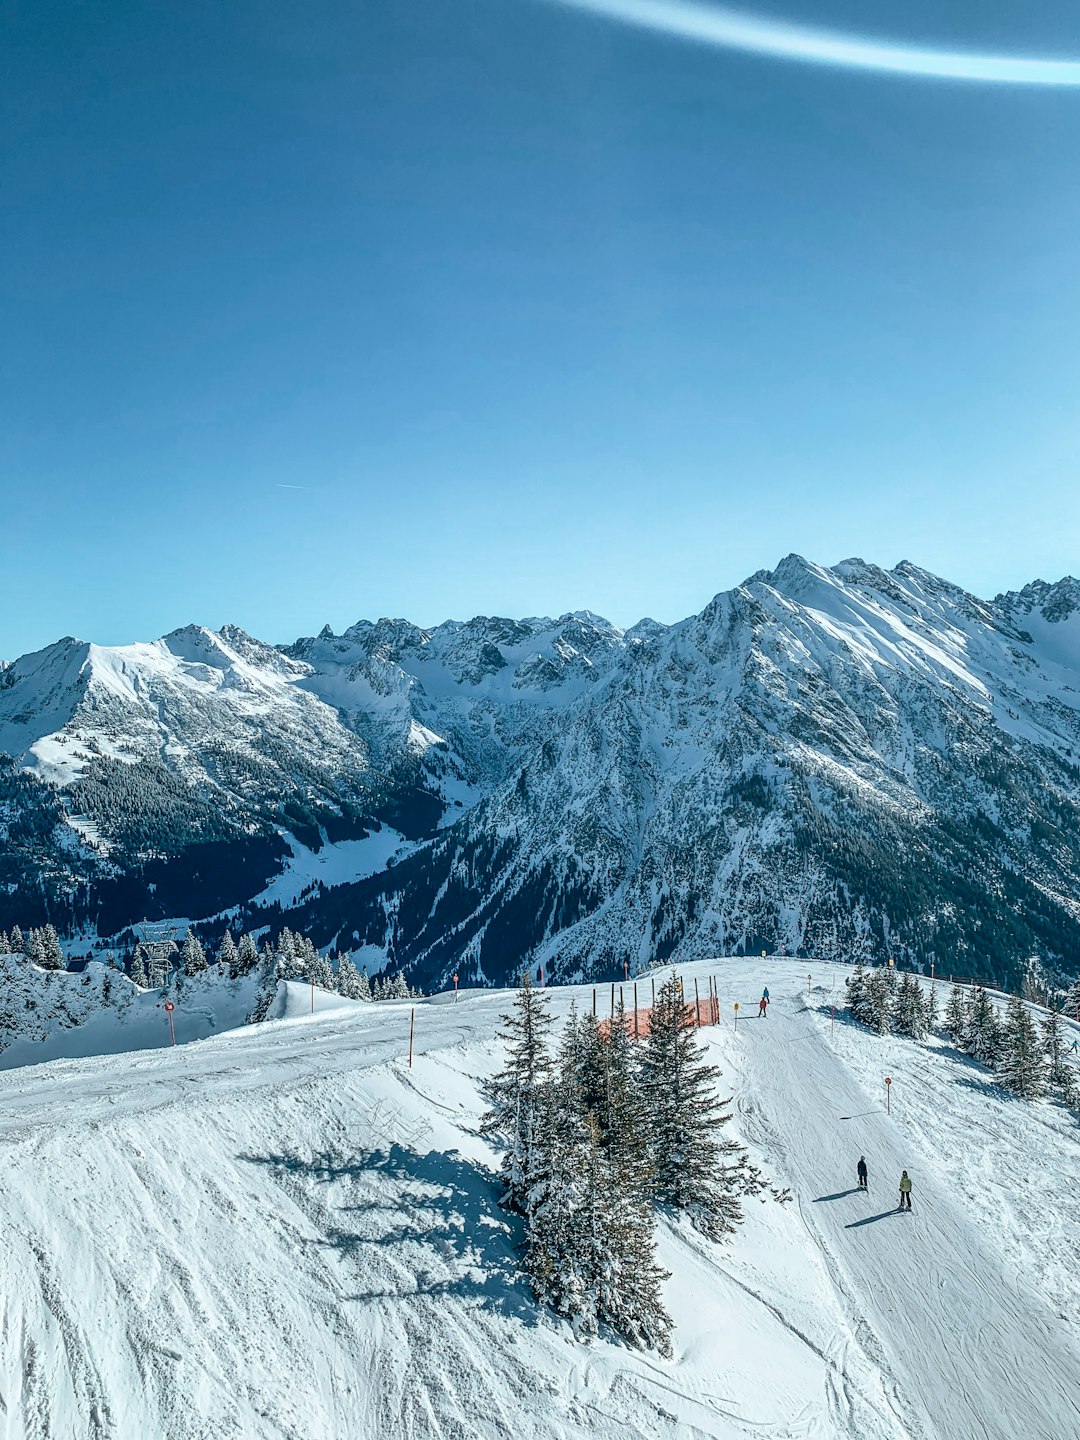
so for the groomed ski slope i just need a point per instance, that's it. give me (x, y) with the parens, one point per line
(284, 1232)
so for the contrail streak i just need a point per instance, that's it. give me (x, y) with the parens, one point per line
(737, 30)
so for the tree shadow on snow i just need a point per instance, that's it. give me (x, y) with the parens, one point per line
(408, 1206)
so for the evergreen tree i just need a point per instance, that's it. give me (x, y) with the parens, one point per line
(348, 981)
(1072, 995)
(1021, 1063)
(1059, 1073)
(226, 955)
(16, 941)
(247, 957)
(5, 943)
(984, 1030)
(365, 985)
(269, 967)
(908, 1011)
(285, 966)
(613, 1095)
(192, 955)
(516, 1095)
(138, 968)
(880, 989)
(52, 950)
(957, 1017)
(589, 1250)
(930, 1009)
(695, 1171)
(320, 971)
(856, 992)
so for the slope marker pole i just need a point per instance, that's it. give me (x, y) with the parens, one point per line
(412, 1022)
(636, 1031)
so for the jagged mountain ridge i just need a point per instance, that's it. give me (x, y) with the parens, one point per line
(851, 758)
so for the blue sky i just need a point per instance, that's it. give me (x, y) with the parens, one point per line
(442, 307)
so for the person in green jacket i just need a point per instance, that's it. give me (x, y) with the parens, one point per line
(905, 1191)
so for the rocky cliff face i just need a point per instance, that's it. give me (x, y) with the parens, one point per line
(850, 760)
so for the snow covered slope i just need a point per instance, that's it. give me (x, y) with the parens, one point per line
(846, 760)
(285, 1232)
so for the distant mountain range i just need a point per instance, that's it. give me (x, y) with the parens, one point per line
(839, 761)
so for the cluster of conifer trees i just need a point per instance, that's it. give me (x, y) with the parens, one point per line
(890, 1004)
(595, 1136)
(40, 945)
(1029, 1058)
(291, 957)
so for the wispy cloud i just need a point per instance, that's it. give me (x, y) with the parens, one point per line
(739, 30)
(282, 486)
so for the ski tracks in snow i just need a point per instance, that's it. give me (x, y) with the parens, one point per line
(963, 1348)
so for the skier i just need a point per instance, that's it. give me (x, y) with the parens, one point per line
(905, 1192)
(860, 1170)
(763, 1005)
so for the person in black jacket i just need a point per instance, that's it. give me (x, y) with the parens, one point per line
(861, 1172)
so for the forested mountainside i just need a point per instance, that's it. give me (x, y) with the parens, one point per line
(846, 761)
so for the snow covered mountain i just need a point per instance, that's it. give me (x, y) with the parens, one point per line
(846, 760)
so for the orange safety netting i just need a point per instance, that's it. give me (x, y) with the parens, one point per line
(637, 1022)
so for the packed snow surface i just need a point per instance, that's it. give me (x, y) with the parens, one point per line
(284, 1231)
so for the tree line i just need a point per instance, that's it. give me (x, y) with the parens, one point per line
(1028, 1059)
(290, 956)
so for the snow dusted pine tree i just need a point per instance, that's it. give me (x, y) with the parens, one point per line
(856, 992)
(35, 948)
(517, 1096)
(1060, 1075)
(192, 955)
(226, 955)
(984, 1033)
(957, 1017)
(53, 951)
(138, 968)
(563, 1231)
(247, 957)
(695, 1171)
(1072, 996)
(590, 1251)
(5, 943)
(348, 981)
(930, 1009)
(16, 941)
(880, 989)
(909, 1009)
(613, 1095)
(1021, 1064)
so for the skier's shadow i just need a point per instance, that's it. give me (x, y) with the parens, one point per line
(840, 1194)
(869, 1220)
